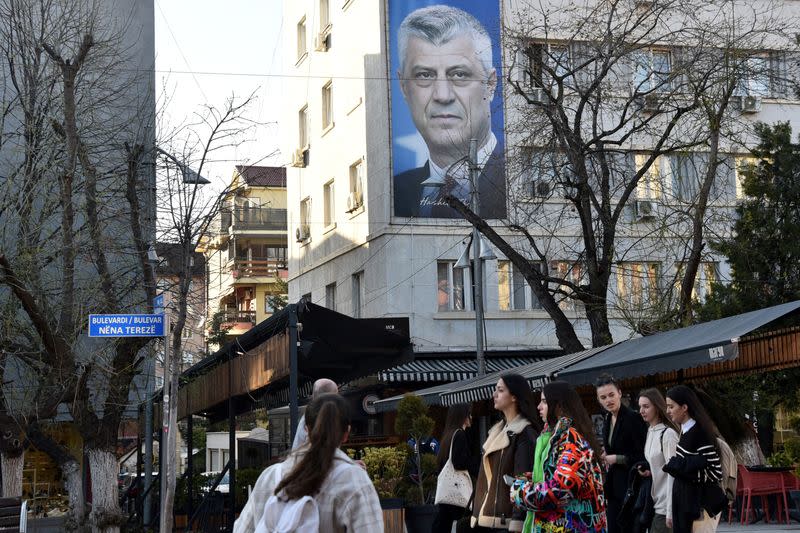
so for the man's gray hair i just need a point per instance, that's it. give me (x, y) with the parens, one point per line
(440, 24)
(322, 386)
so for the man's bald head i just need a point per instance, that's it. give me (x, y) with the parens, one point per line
(322, 386)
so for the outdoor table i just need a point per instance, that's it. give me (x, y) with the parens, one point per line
(773, 476)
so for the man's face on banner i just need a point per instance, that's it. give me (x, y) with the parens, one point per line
(449, 93)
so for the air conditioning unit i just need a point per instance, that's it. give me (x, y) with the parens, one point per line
(298, 158)
(539, 189)
(644, 210)
(303, 233)
(651, 103)
(322, 41)
(751, 104)
(354, 201)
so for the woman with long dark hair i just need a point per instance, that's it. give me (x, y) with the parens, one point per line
(662, 438)
(508, 451)
(565, 490)
(320, 475)
(455, 448)
(697, 498)
(624, 435)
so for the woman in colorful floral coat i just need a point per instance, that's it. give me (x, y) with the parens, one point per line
(564, 493)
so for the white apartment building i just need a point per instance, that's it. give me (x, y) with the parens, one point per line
(350, 252)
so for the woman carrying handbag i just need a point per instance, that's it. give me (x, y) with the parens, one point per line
(457, 466)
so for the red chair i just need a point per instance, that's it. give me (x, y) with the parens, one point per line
(761, 484)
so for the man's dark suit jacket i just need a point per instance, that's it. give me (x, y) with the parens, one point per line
(491, 186)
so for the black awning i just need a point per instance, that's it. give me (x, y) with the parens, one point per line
(536, 374)
(701, 344)
(450, 369)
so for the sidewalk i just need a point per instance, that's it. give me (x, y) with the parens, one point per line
(759, 527)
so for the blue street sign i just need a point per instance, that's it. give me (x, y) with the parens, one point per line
(158, 304)
(126, 325)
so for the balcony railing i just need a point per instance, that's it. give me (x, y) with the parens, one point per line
(243, 268)
(254, 218)
(240, 316)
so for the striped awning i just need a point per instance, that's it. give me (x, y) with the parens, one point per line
(537, 374)
(450, 369)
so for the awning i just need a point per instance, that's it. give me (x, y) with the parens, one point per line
(431, 396)
(693, 346)
(450, 369)
(537, 374)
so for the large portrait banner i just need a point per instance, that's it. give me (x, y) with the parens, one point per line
(445, 63)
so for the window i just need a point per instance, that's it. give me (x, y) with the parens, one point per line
(744, 164)
(513, 290)
(546, 63)
(327, 106)
(187, 333)
(686, 176)
(649, 186)
(754, 78)
(450, 286)
(651, 71)
(358, 293)
(304, 231)
(330, 296)
(571, 272)
(356, 197)
(303, 127)
(302, 43)
(544, 170)
(328, 208)
(324, 14)
(637, 283)
(707, 275)
(215, 466)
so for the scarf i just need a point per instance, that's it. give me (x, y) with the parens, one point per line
(539, 456)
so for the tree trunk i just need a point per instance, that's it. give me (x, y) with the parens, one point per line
(12, 473)
(106, 516)
(748, 452)
(74, 487)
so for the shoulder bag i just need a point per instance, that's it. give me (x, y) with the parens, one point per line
(453, 487)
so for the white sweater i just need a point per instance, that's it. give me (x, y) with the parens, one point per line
(657, 458)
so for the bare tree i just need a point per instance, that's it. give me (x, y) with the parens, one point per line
(186, 211)
(603, 95)
(75, 187)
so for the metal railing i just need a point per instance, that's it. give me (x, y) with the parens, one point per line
(240, 316)
(257, 267)
(254, 218)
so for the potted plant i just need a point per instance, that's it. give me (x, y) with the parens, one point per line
(419, 485)
(385, 467)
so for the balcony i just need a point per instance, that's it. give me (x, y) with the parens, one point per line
(253, 219)
(256, 268)
(239, 317)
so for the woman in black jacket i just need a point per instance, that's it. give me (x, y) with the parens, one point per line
(697, 498)
(459, 418)
(624, 435)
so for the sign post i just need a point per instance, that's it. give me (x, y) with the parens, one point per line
(138, 325)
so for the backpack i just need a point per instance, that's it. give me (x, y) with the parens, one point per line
(729, 469)
(282, 515)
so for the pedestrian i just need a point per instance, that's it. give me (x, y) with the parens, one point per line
(662, 439)
(565, 490)
(697, 498)
(316, 481)
(508, 451)
(321, 386)
(624, 435)
(455, 449)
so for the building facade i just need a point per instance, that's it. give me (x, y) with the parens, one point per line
(354, 249)
(246, 252)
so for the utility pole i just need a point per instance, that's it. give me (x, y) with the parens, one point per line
(168, 429)
(148, 433)
(477, 273)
